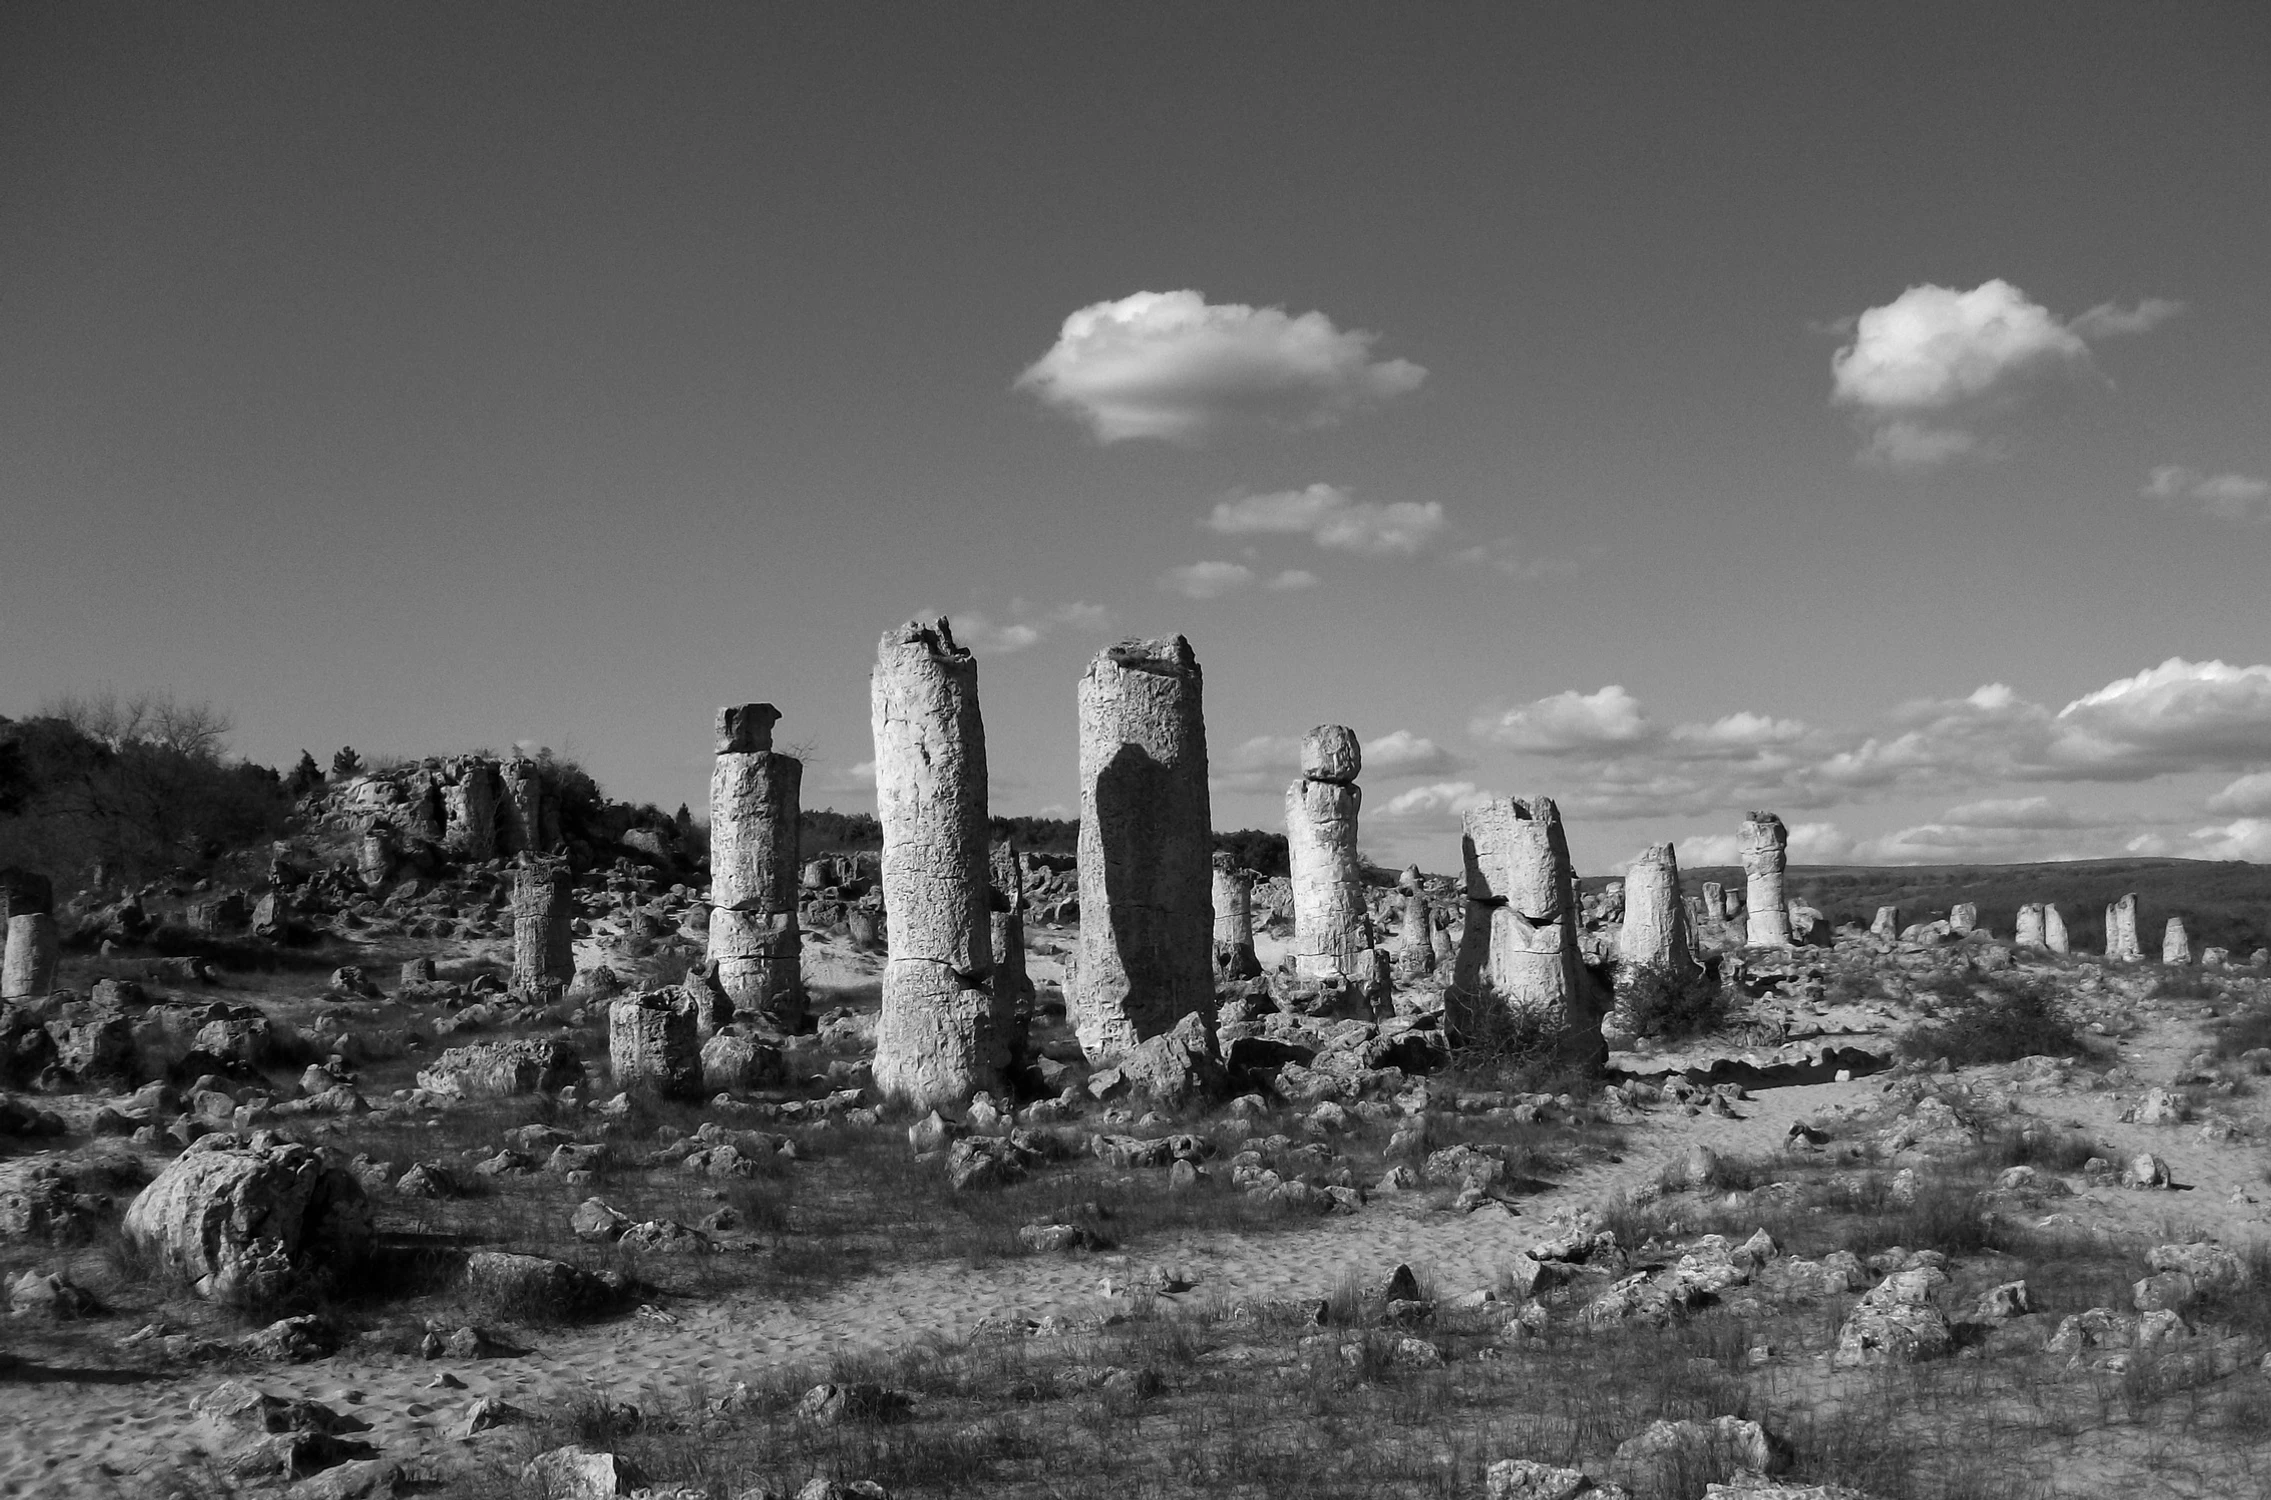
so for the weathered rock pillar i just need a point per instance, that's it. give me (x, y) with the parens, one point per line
(1963, 917)
(1146, 848)
(2121, 931)
(27, 971)
(2027, 932)
(1765, 842)
(544, 955)
(2176, 944)
(1006, 903)
(1518, 969)
(1887, 925)
(1655, 933)
(469, 808)
(1234, 920)
(1714, 903)
(1415, 943)
(374, 858)
(520, 822)
(943, 1034)
(654, 1041)
(753, 938)
(2054, 929)
(1331, 925)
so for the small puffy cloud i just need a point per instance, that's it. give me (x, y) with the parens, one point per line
(2250, 795)
(1739, 733)
(1434, 806)
(1206, 580)
(1292, 579)
(1267, 762)
(1330, 517)
(2228, 497)
(1173, 366)
(1920, 370)
(1028, 625)
(1507, 555)
(2243, 838)
(1569, 722)
(1402, 753)
(1810, 844)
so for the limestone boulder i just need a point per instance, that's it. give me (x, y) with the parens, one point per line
(239, 1220)
(485, 1070)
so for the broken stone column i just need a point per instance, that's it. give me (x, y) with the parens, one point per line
(2176, 944)
(520, 821)
(943, 1034)
(2027, 932)
(1714, 903)
(469, 808)
(1765, 842)
(1963, 917)
(1234, 920)
(2121, 931)
(1146, 848)
(2054, 929)
(27, 971)
(1887, 925)
(1415, 943)
(754, 943)
(1518, 975)
(1695, 917)
(1006, 903)
(1655, 933)
(544, 955)
(654, 1042)
(1331, 926)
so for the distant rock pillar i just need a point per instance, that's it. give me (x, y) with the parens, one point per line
(1655, 933)
(2176, 944)
(1963, 917)
(2054, 929)
(27, 964)
(1332, 925)
(520, 822)
(1146, 848)
(2027, 932)
(1765, 844)
(943, 1035)
(2121, 931)
(1887, 925)
(753, 938)
(1234, 920)
(1415, 943)
(654, 1041)
(1714, 903)
(1006, 901)
(374, 858)
(1518, 966)
(469, 808)
(544, 951)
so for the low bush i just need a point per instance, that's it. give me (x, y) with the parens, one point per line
(1666, 1003)
(2003, 1022)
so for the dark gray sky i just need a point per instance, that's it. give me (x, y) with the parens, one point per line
(1863, 412)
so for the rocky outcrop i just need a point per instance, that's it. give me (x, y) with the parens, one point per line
(520, 807)
(1146, 848)
(1332, 926)
(490, 1070)
(2121, 931)
(243, 1221)
(471, 790)
(1518, 974)
(1233, 890)
(943, 1034)
(544, 957)
(1765, 846)
(754, 944)
(654, 1043)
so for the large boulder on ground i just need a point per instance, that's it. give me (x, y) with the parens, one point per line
(98, 1049)
(534, 1288)
(237, 1220)
(580, 1474)
(1176, 1067)
(488, 1069)
(1894, 1322)
(1668, 1457)
(654, 1041)
(731, 1064)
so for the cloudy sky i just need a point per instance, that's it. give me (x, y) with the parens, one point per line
(1860, 412)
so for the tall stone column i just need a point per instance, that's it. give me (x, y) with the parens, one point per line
(2027, 933)
(1146, 848)
(753, 939)
(1765, 842)
(1655, 933)
(544, 955)
(1332, 927)
(520, 824)
(1234, 920)
(469, 808)
(1415, 943)
(2176, 944)
(2121, 931)
(1518, 962)
(1012, 984)
(2054, 929)
(943, 1034)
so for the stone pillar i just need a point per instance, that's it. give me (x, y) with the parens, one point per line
(544, 956)
(374, 858)
(1415, 942)
(654, 1042)
(2121, 931)
(2028, 931)
(1695, 917)
(1714, 903)
(27, 971)
(520, 825)
(1006, 900)
(1146, 848)
(753, 940)
(1331, 925)
(2054, 928)
(1963, 917)
(423, 819)
(1518, 962)
(2176, 944)
(943, 1034)
(469, 808)
(1234, 920)
(1765, 841)
(1887, 925)
(1655, 933)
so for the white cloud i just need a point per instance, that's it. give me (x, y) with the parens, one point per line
(2180, 715)
(2243, 838)
(1029, 624)
(2228, 497)
(1507, 555)
(1402, 753)
(1330, 517)
(1922, 369)
(1810, 844)
(2250, 795)
(1171, 365)
(1435, 806)
(1291, 579)
(1206, 580)
(2012, 812)
(1569, 722)
(1267, 762)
